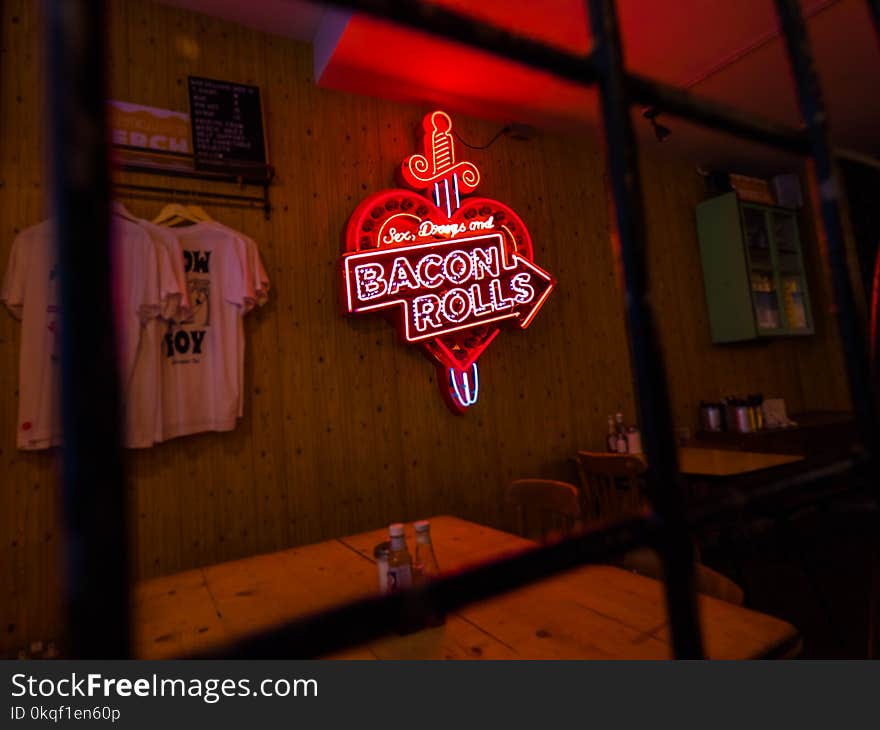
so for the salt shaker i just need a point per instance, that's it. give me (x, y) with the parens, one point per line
(381, 553)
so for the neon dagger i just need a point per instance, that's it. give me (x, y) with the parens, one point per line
(441, 174)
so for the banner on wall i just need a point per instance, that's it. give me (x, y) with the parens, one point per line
(148, 134)
(447, 269)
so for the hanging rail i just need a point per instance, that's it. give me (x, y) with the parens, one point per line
(148, 161)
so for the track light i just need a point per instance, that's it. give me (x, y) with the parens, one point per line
(660, 131)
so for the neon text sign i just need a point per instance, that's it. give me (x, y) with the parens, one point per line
(447, 270)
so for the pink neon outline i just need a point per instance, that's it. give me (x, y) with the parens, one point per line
(388, 220)
(540, 303)
(413, 163)
(391, 250)
(499, 241)
(473, 355)
(518, 261)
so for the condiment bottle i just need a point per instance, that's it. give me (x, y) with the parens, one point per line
(621, 446)
(399, 561)
(611, 437)
(633, 440)
(381, 553)
(425, 567)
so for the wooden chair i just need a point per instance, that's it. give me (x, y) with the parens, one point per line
(612, 484)
(613, 488)
(646, 561)
(545, 508)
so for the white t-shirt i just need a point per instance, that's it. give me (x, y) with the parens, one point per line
(143, 399)
(30, 291)
(203, 353)
(258, 296)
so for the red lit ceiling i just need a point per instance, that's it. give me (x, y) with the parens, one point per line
(726, 51)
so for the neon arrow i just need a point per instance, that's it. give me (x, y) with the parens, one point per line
(447, 286)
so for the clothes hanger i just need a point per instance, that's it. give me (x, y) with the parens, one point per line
(199, 212)
(175, 214)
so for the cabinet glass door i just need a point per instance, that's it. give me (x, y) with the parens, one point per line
(790, 271)
(765, 300)
(785, 240)
(757, 237)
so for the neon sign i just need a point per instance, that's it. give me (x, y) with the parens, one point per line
(447, 270)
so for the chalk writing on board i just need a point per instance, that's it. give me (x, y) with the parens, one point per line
(227, 122)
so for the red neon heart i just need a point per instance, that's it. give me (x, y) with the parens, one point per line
(405, 209)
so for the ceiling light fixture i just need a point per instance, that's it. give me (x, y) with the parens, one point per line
(660, 131)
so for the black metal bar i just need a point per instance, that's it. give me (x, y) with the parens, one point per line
(874, 7)
(233, 167)
(244, 177)
(852, 334)
(148, 151)
(96, 580)
(663, 481)
(681, 103)
(208, 195)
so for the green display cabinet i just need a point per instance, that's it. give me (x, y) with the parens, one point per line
(753, 270)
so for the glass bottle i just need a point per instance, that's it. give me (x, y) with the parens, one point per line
(380, 555)
(621, 445)
(611, 437)
(426, 567)
(399, 561)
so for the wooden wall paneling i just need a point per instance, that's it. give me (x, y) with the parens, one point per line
(27, 498)
(269, 448)
(230, 482)
(341, 449)
(683, 273)
(263, 335)
(294, 351)
(602, 373)
(589, 291)
(544, 368)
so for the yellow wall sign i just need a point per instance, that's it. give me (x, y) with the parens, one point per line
(150, 128)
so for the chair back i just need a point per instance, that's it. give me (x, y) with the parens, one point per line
(545, 508)
(612, 484)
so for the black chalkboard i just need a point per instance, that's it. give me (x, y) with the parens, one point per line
(227, 123)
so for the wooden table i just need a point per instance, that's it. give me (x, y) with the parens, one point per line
(594, 612)
(725, 463)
